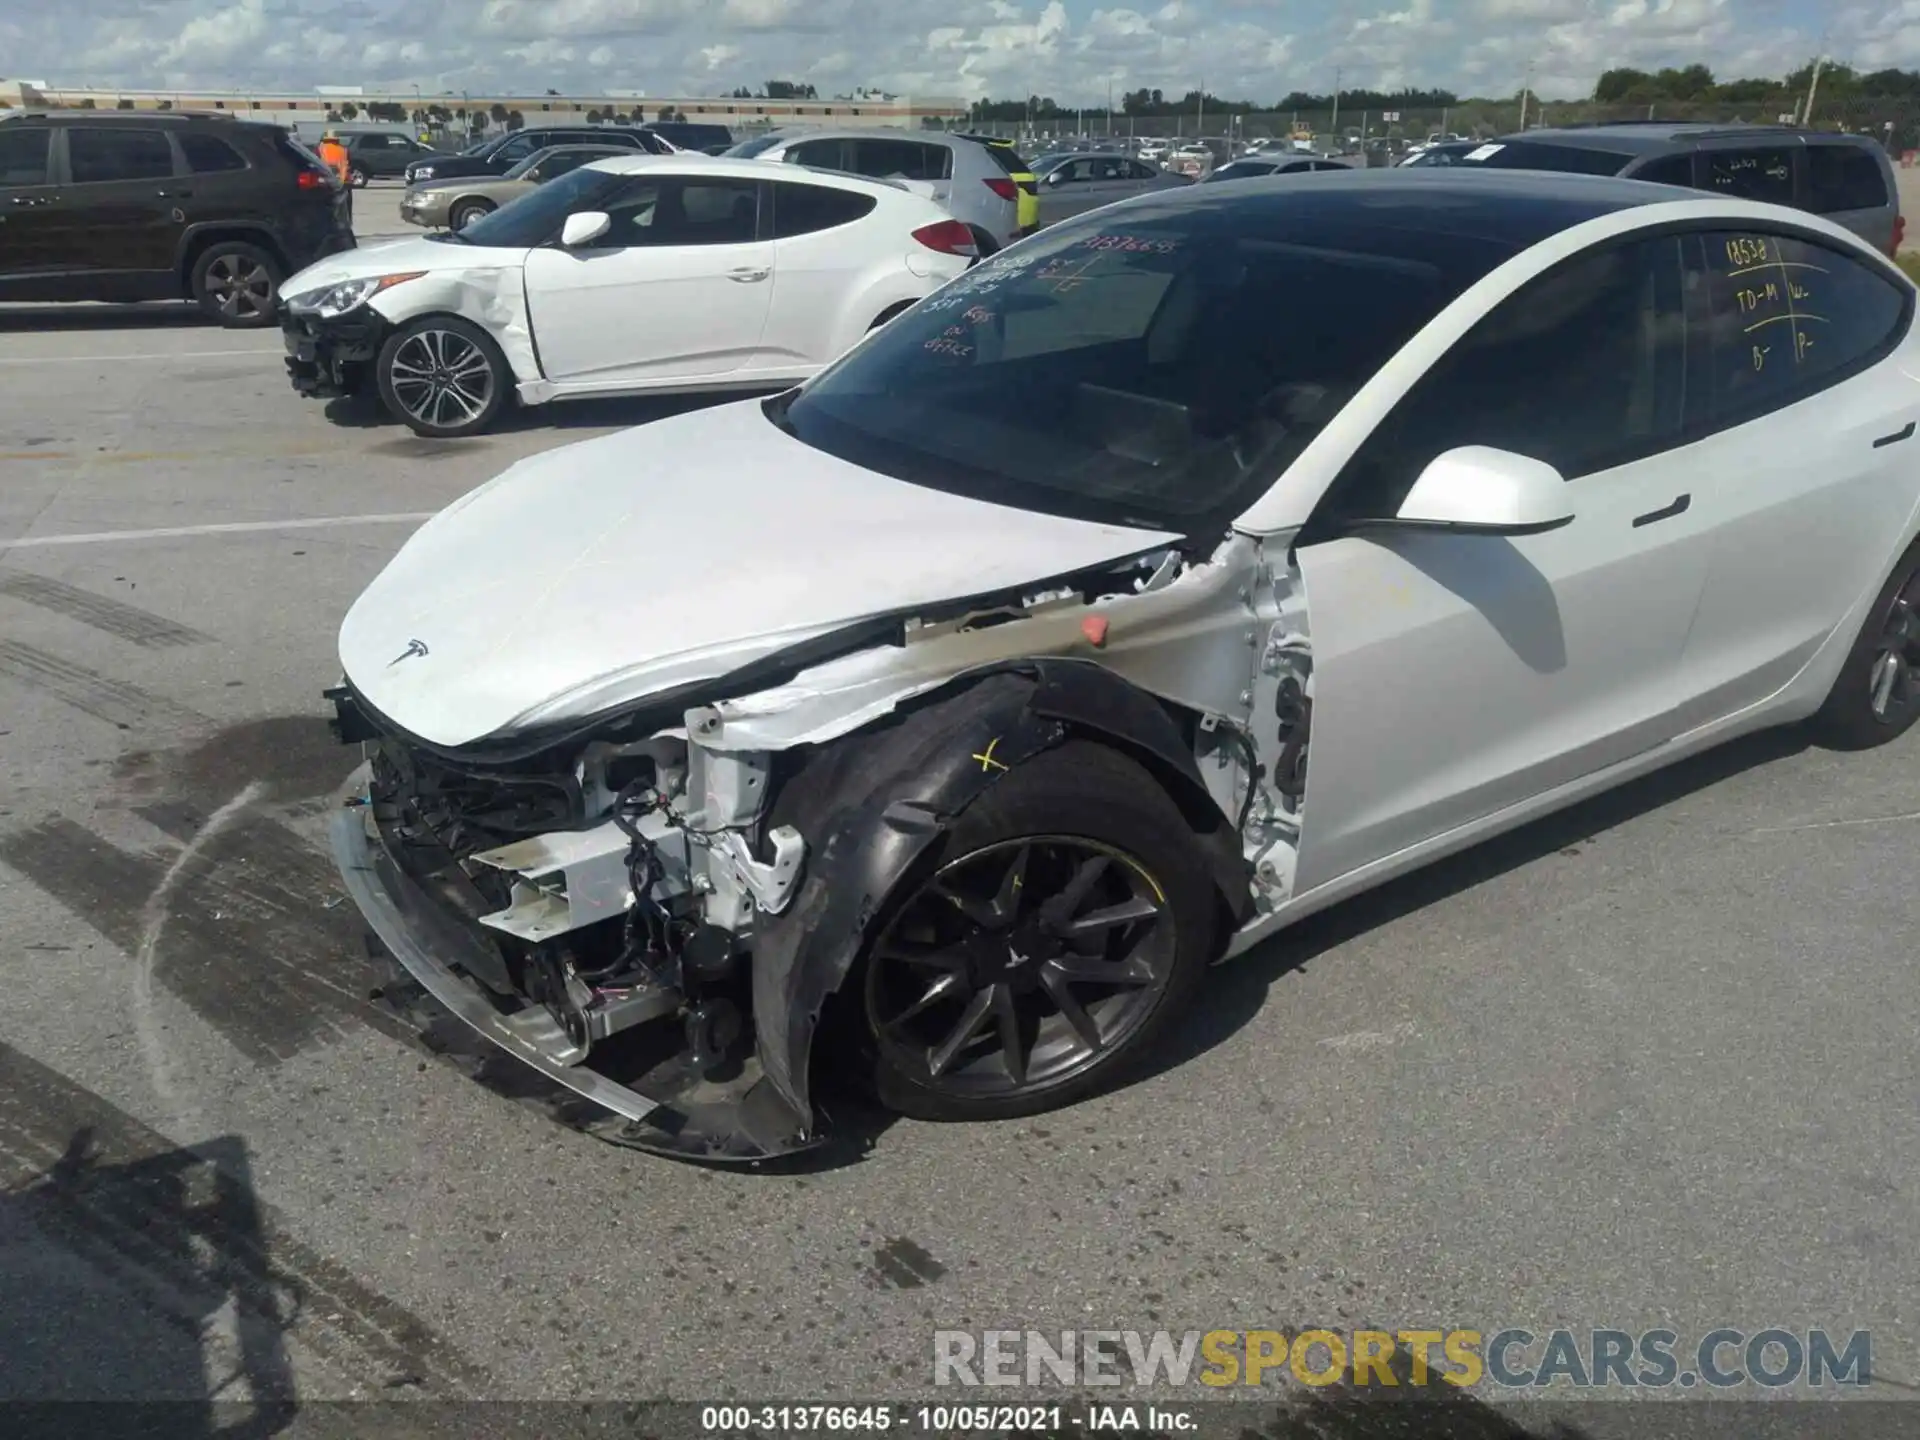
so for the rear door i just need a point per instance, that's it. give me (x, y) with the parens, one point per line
(822, 155)
(121, 216)
(816, 250)
(677, 290)
(1853, 185)
(29, 225)
(221, 184)
(1806, 472)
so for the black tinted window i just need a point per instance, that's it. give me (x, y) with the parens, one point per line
(98, 153)
(1790, 317)
(1667, 170)
(684, 212)
(207, 154)
(1538, 155)
(901, 160)
(23, 155)
(1758, 174)
(821, 154)
(1008, 159)
(1844, 177)
(803, 209)
(1584, 368)
(1155, 368)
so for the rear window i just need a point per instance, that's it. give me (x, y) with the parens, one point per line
(759, 145)
(1844, 177)
(208, 154)
(1538, 155)
(1008, 159)
(1764, 173)
(802, 209)
(293, 148)
(1154, 368)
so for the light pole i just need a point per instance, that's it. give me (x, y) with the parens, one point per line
(1335, 125)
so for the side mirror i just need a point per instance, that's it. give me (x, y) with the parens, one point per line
(1054, 177)
(584, 228)
(1492, 492)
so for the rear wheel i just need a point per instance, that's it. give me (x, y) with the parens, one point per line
(468, 211)
(359, 179)
(443, 377)
(237, 284)
(1876, 697)
(1063, 928)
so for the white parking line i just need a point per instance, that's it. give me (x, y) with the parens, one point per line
(155, 355)
(232, 527)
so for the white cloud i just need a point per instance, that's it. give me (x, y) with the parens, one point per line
(1069, 49)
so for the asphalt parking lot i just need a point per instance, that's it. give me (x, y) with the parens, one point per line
(1647, 1063)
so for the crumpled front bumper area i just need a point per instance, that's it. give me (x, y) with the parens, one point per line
(328, 358)
(654, 1100)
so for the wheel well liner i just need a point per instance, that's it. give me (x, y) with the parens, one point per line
(873, 803)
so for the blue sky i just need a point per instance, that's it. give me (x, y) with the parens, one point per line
(1070, 49)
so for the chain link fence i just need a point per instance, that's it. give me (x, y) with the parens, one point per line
(1894, 122)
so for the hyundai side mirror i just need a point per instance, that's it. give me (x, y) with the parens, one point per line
(1478, 489)
(585, 227)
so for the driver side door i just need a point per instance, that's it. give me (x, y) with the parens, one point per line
(1458, 673)
(678, 289)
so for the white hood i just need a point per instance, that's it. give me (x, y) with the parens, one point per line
(608, 570)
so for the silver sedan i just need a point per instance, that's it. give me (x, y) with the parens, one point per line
(456, 204)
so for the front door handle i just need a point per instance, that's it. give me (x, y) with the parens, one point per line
(1905, 433)
(174, 194)
(746, 275)
(1665, 512)
(26, 200)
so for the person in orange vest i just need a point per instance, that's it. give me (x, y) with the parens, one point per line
(334, 156)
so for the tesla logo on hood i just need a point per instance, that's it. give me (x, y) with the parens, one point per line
(414, 647)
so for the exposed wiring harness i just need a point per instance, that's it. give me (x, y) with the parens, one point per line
(653, 936)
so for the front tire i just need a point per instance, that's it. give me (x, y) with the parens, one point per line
(1064, 925)
(1876, 697)
(468, 211)
(237, 285)
(443, 377)
(359, 179)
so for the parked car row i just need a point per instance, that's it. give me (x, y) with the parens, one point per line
(623, 275)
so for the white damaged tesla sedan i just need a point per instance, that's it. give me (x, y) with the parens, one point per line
(642, 274)
(1169, 576)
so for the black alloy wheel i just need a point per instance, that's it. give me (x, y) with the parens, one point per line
(237, 285)
(1017, 966)
(1876, 697)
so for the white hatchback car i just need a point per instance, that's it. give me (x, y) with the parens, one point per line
(643, 273)
(1181, 570)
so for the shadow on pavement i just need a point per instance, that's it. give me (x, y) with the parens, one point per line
(1235, 993)
(143, 1285)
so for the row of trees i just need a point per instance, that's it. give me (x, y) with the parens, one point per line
(1694, 84)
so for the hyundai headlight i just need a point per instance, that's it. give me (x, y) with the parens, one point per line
(336, 300)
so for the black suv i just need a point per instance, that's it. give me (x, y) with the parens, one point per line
(504, 151)
(122, 207)
(382, 154)
(1847, 178)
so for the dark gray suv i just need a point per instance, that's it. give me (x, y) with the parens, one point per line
(1847, 178)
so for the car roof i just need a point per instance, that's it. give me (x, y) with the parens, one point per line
(1517, 208)
(1640, 137)
(751, 168)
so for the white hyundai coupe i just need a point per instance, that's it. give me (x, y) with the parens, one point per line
(1184, 569)
(643, 273)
